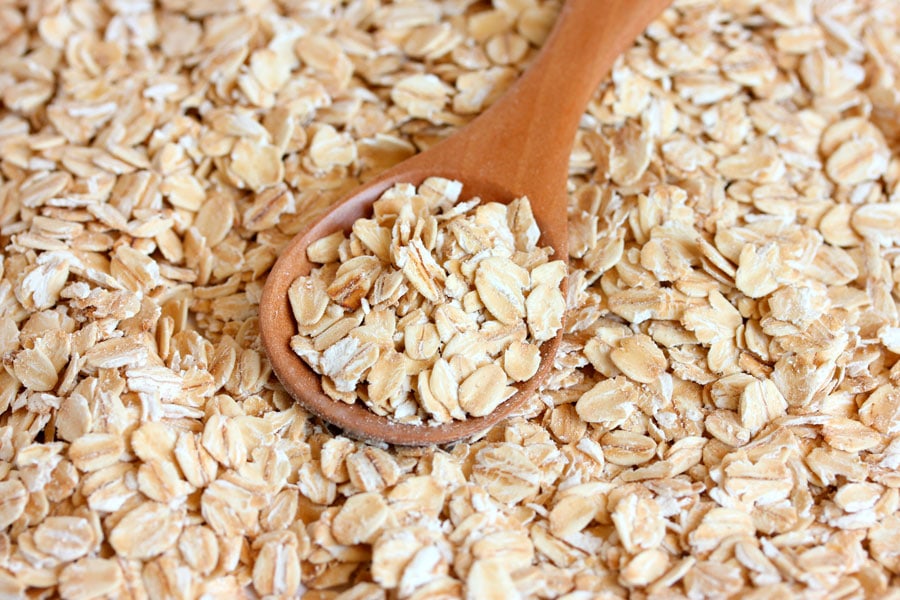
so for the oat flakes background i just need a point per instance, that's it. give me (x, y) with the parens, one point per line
(724, 418)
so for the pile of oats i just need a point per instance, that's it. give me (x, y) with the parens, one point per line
(431, 308)
(723, 418)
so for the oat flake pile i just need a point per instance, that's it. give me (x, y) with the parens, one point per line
(724, 416)
(429, 310)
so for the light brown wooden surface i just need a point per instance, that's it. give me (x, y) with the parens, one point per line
(519, 146)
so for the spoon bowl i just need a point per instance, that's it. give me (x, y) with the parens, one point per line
(519, 147)
(277, 325)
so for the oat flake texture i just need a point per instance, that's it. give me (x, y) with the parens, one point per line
(723, 419)
(431, 307)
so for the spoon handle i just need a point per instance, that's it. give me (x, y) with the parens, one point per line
(588, 37)
(523, 141)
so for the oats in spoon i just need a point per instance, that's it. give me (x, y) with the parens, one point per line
(431, 309)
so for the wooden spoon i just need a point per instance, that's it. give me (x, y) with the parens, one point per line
(520, 146)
